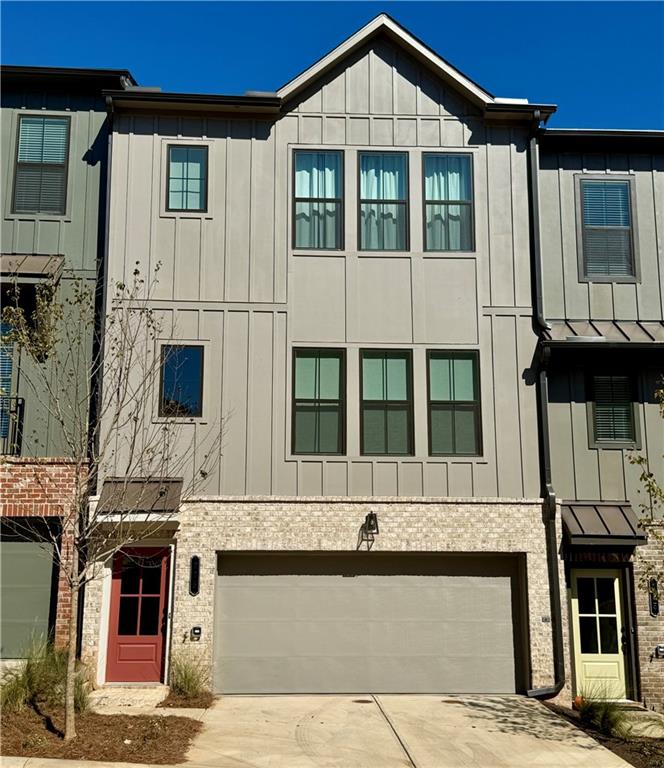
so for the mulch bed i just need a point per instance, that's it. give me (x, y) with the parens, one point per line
(202, 701)
(37, 732)
(640, 751)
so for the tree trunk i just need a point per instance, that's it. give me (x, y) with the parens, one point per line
(70, 686)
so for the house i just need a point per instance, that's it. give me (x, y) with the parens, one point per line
(54, 155)
(602, 353)
(347, 265)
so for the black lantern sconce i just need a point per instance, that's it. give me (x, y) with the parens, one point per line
(195, 575)
(371, 524)
(653, 597)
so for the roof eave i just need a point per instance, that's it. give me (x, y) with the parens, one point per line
(158, 100)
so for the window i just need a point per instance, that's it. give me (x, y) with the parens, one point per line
(187, 178)
(318, 209)
(319, 401)
(383, 202)
(613, 410)
(607, 241)
(454, 404)
(448, 203)
(387, 407)
(181, 391)
(40, 183)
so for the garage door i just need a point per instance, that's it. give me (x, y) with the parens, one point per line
(25, 595)
(364, 622)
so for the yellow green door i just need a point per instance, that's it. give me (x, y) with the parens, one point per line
(598, 630)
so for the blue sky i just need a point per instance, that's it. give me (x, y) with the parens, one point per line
(601, 62)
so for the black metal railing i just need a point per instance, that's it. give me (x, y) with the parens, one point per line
(11, 425)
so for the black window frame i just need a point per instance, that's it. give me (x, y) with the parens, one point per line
(341, 229)
(453, 405)
(386, 405)
(617, 444)
(470, 203)
(340, 353)
(584, 277)
(160, 410)
(64, 165)
(192, 211)
(405, 202)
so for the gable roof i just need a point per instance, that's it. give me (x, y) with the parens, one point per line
(386, 25)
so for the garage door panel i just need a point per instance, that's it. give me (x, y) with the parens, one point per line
(300, 630)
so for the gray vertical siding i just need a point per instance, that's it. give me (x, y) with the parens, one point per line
(230, 278)
(74, 235)
(564, 294)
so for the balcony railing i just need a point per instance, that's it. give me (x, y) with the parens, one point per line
(11, 425)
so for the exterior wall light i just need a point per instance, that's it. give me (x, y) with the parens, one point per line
(371, 524)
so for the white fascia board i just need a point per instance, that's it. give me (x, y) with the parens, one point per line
(383, 22)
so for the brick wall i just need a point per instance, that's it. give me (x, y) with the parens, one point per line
(649, 560)
(208, 525)
(42, 488)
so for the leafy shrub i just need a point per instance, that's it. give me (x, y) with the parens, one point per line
(602, 714)
(41, 678)
(187, 677)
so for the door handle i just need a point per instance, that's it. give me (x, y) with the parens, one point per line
(623, 640)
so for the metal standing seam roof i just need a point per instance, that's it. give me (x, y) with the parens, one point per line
(140, 495)
(591, 522)
(612, 331)
(31, 264)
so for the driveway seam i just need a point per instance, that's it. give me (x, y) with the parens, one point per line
(394, 731)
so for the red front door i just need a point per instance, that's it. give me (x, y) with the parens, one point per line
(137, 629)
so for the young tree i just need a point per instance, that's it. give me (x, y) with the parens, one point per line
(95, 375)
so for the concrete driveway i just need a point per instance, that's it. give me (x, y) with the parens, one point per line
(391, 732)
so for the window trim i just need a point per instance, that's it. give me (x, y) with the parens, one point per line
(17, 136)
(343, 397)
(471, 202)
(477, 406)
(386, 404)
(405, 202)
(609, 445)
(192, 211)
(338, 200)
(579, 178)
(189, 417)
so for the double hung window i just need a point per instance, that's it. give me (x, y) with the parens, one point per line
(318, 205)
(383, 219)
(448, 203)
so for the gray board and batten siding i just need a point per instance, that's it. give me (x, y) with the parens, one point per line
(230, 279)
(75, 235)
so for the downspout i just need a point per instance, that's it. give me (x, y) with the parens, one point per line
(548, 493)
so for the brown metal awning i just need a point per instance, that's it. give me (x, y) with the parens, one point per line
(31, 265)
(140, 495)
(604, 331)
(601, 523)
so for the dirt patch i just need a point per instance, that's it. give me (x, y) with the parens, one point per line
(37, 732)
(202, 701)
(640, 751)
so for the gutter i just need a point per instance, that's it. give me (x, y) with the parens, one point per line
(548, 492)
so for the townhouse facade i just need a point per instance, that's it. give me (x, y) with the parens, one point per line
(54, 147)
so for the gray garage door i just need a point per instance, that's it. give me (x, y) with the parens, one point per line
(26, 582)
(365, 622)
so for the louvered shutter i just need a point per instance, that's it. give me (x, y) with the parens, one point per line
(41, 170)
(614, 412)
(6, 360)
(607, 228)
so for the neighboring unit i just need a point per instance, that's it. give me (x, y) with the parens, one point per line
(54, 155)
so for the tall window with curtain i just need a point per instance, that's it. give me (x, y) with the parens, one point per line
(318, 204)
(386, 403)
(187, 178)
(40, 182)
(607, 229)
(383, 220)
(454, 403)
(319, 394)
(448, 203)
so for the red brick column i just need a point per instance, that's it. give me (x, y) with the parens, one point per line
(43, 488)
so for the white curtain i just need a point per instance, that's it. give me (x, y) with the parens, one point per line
(447, 178)
(383, 224)
(317, 175)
